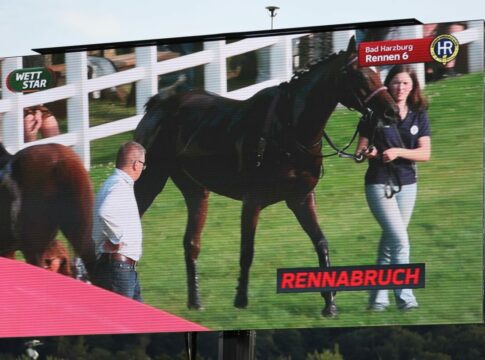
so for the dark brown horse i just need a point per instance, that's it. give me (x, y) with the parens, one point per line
(260, 151)
(44, 188)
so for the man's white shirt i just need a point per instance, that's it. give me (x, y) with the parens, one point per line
(116, 216)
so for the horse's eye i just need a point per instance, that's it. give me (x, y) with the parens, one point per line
(48, 262)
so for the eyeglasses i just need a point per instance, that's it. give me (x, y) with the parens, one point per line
(141, 162)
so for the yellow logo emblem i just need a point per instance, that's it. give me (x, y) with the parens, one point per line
(444, 48)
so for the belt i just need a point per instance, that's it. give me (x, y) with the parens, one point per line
(117, 257)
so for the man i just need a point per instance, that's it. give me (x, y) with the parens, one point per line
(117, 231)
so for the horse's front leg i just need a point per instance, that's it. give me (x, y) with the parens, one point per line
(249, 222)
(305, 211)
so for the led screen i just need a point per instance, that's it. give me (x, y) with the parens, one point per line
(308, 178)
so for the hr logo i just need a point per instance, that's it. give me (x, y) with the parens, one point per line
(444, 48)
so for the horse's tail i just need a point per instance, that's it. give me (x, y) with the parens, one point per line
(75, 201)
(157, 110)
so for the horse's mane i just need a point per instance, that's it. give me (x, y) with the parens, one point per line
(3, 151)
(153, 102)
(5, 156)
(304, 74)
(149, 125)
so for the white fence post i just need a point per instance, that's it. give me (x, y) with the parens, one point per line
(475, 49)
(146, 57)
(78, 105)
(414, 32)
(215, 73)
(282, 50)
(13, 120)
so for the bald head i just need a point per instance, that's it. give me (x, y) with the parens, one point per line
(131, 159)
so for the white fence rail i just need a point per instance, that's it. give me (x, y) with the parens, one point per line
(145, 73)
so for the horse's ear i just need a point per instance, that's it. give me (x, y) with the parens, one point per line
(352, 47)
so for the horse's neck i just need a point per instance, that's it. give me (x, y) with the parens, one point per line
(313, 105)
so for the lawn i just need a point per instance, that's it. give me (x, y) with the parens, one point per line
(445, 231)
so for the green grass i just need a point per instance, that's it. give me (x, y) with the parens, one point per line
(445, 231)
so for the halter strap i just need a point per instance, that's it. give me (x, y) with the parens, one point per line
(352, 61)
(374, 93)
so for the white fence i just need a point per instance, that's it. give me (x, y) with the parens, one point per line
(145, 74)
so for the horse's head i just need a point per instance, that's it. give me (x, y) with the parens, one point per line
(361, 88)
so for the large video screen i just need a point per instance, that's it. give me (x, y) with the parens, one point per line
(296, 179)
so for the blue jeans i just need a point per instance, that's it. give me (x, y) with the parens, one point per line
(118, 277)
(393, 216)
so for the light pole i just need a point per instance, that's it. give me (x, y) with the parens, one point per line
(272, 13)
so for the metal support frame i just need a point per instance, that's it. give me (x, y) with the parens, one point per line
(237, 345)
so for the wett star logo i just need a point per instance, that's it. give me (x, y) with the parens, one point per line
(30, 80)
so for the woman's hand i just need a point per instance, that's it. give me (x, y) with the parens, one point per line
(391, 154)
(371, 152)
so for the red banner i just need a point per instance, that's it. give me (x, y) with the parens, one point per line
(364, 277)
(395, 52)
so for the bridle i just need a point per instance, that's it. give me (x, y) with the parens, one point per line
(366, 112)
(393, 183)
(362, 107)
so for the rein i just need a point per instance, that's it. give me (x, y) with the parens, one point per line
(342, 152)
(374, 93)
(392, 172)
(393, 183)
(367, 113)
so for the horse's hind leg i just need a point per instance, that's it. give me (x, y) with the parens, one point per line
(35, 237)
(75, 221)
(305, 212)
(196, 199)
(249, 222)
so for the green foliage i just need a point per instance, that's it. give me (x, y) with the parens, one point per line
(457, 342)
(72, 347)
(326, 355)
(100, 354)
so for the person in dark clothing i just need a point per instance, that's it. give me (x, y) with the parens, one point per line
(407, 143)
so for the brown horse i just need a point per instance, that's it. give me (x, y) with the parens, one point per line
(261, 151)
(44, 188)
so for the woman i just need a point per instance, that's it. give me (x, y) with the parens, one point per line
(405, 144)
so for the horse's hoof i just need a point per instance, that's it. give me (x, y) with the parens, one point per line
(241, 301)
(330, 311)
(195, 305)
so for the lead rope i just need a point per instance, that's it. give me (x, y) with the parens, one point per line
(392, 188)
